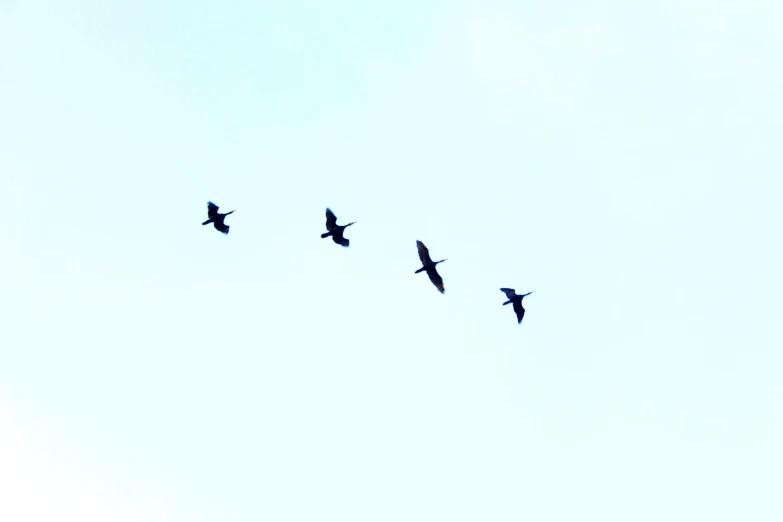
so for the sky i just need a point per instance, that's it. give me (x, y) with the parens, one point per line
(621, 160)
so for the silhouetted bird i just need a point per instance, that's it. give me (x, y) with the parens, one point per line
(429, 266)
(517, 300)
(216, 217)
(335, 230)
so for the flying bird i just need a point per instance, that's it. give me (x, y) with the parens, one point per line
(335, 230)
(216, 217)
(516, 300)
(429, 266)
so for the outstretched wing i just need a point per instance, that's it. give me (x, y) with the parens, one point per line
(212, 210)
(221, 226)
(424, 254)
(519, 310)
(338, 237)
(436, 279)
(510, 292)
(331, 220)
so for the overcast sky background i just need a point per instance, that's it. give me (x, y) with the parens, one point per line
(621, 160)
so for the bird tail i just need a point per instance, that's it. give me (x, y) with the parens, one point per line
(326, 234)
(207, 222)
(422, 269)
(507, 302)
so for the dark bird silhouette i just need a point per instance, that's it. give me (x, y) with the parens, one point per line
(216, 217)
(516, 300)
(335, 230)
(429, 266)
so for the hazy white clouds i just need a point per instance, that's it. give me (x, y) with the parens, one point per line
(39, 481)
(269, 375)
(735, 41)
(510, 57)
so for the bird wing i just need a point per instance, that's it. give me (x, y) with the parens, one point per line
(424, 254)
(331, 220)
(520, 311)
(338, 237)
(221, 225)
(436, 279)
(510, 292)
(212, 210)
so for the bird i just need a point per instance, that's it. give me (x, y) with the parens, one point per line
(335, 230)
(429, 266)
(216, 217)
(516, 300)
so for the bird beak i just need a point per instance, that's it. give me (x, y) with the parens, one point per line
(352, 223)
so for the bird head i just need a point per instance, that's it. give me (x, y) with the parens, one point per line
(351, 223)
(232, 211)
(442, 260)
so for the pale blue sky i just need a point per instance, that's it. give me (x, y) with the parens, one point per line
(621, 160)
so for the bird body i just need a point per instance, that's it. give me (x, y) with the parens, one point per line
(428, 265)
(335, 230)
(216, 217)
(516, 300)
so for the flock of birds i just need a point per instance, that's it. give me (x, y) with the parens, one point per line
(337, 233)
